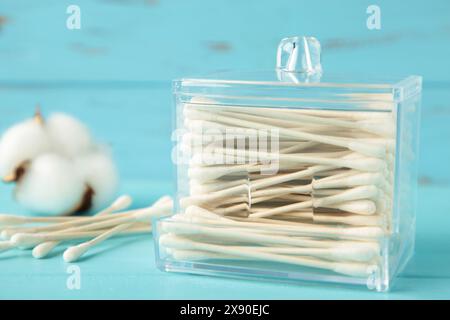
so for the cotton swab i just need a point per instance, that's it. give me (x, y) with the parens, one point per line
(13, 220)
(29, 239)
(213, 172)
(75, 252)
(343, 198)
(337, 253)
(207, 103)
(120, 203)
(359, 163)
(371, 150)
(294, 118)
(349, 181)
(5, 245)
(43, 249)
(351, 269)
(262, 235)
(292, 228)
(357, 193)
(79, 223)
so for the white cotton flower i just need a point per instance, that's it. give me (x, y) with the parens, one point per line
(21, 143)
(69, 136)
(99, 172)
(51, 186)
(57, 166)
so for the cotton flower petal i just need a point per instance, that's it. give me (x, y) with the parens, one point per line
(50, 186)
(99, 172)
(69, 135)
(21, 143)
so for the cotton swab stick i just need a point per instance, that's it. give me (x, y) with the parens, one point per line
(371, 150)
(207, 103)
(43, 249)
(29, 239)
(357, 193)
(351, 220)
(5, 245)
(205, 217)
(360, 163)
(26, 240)
(197, 188)
(122, 202)
(140, 215)
(245, 233)
(75, 252)
(347, 268)
(197, 214)
(339, 252)
(355, 180)
(294, 118)
(355, 220)
(250, 161)
(13, 220)
(119, 204)
(343, 199)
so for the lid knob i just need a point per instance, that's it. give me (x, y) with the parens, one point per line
(299, 54)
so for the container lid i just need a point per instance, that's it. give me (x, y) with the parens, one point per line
(298, 80)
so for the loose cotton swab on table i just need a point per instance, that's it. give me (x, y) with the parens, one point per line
(8, 220)
(119, 204)
(43, 249)
(73, 253)
(140, 215)
(107, 223)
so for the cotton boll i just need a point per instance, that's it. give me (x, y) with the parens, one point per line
(99, 172)
(70, 136)
(21, 143)
(50, 186)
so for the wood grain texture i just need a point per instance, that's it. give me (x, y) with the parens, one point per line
(138, 40)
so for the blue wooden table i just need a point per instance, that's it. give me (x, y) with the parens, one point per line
(115, 74)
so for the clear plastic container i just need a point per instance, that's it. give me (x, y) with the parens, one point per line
(294, 174)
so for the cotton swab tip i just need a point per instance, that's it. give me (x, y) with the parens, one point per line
(147, 214)
(43, 249)
(353, 253)
(173, 242)
(25, 239)
(165, 202)
(7, 233)
(74, 253)
(364, 207)
(121, 203)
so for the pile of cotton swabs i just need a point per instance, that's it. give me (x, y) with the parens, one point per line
(327, 207)
(43, 234)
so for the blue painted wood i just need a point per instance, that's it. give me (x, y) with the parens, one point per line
(162, 40)
(115, 74)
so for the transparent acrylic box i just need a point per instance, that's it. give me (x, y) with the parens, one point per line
(293, 174)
